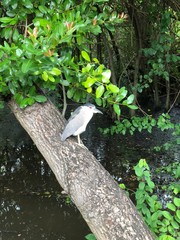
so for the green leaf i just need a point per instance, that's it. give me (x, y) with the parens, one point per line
(8, 20)
(117, 109)
(51, 78)
(175, 224)
(178, 214)
(30, 101)
(177, 201)
(28, 64)
(98, 101)
(96, 60)
(123, 92)
(19, 52)
(167, 215)
(18, 97)
(134, 107)
(119, 97)
(5, 19)
(77, 96)
(65, 83)
(99, 91)
(32, 91)
(85, 56)
(55, 71)
(106, 76)
(89, 90)
(122, 186)
(171, 206)
(130, 99)
(89, 82)
(90, 237)
(141, 185)
(150, 183)
(24, 103)
(163, 230)
(43, 9)
(138, 171)
(153, 122)
(45, 76)
(28, 4)
(40, 98)
(70, 93)
(142, 163)
(1, 104)
(113, 88)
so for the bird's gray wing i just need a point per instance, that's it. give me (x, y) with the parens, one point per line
(75, 113)
(73, 124)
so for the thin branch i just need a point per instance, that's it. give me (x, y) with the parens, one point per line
(173, 102)
(25, 31)
(64, 101)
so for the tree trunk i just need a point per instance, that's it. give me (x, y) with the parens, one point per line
(136, 78)
(167, 94)
(156, 93)
(107, 210)
(110, 59)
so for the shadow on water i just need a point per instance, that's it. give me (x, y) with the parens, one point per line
(31, 203)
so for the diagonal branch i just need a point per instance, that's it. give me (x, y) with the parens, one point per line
(107, 210)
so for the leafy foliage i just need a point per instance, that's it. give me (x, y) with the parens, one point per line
(90, 237)
(163, 222)
(174, 142)
(139, 123)
(39, 48)
(160, 56)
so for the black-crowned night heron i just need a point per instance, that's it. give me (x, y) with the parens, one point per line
(78, 121)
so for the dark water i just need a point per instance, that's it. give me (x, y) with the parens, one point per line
(31, 203)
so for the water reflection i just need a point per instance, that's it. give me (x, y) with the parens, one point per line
(31, 203)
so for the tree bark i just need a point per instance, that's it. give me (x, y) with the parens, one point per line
(107, 210)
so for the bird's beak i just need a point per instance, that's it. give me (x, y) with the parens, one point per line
(97, 111)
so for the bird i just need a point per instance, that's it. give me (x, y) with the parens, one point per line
(78, 121)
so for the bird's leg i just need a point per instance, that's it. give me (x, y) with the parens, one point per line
(80, 142)
(79, 139)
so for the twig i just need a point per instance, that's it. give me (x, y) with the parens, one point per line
(25, 31)
(64, 101)
(174, 102)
